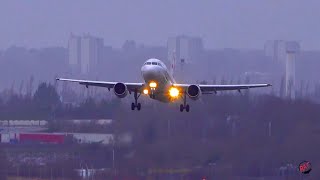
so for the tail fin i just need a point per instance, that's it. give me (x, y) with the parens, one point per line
(173, 63)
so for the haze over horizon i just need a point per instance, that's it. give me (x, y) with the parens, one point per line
(222, 24)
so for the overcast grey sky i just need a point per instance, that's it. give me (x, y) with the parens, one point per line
(222, 23)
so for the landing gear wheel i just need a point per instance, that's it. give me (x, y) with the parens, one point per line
(181, 107)
(187, 107)
(184, 105)
(138, 106)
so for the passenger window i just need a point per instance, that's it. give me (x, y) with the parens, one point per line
(154, 63)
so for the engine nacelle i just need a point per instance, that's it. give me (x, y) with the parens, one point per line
(120, 90)
(194, 92)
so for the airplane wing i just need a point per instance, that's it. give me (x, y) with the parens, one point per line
(130, 86)
(215, 88)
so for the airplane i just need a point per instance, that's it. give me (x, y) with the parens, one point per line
(159, 84)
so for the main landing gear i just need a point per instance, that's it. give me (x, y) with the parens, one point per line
(136, 104)
(184, 105)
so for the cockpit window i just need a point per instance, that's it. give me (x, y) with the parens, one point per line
(154, 63)
(148, 63)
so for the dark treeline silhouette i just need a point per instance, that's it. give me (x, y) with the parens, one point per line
(243, 134)
(255, 135)
(51, 161)
(45, 103)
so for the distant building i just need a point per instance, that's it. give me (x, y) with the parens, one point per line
(129, 46)
(85, 53)
(74, 47)
(276, 49)
(91, 53)
(292, 49)
(285, 54)
(183, 50)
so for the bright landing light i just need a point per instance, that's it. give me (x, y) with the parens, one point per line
(153, 84)
(145, 91)
(173, 92)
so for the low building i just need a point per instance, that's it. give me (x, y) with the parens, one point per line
(56, 138)
(89, 138)
(13, 122)
(42, 138)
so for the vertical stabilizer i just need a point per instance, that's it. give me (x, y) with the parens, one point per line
(173, 63)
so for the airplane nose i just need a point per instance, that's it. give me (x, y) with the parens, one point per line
(147, 71)
(150, 72)
(144, 68)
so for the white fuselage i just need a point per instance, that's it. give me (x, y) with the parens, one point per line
(154, 70)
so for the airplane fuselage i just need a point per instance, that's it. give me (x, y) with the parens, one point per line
(154, 70)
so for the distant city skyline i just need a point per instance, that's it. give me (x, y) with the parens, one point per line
(245, 24)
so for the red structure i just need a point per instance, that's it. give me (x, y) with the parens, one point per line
(42, 138)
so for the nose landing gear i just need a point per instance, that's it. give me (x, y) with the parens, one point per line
(136, 104)
(152, 95)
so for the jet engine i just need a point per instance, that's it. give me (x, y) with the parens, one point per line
(120, 90)
(194, 92)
